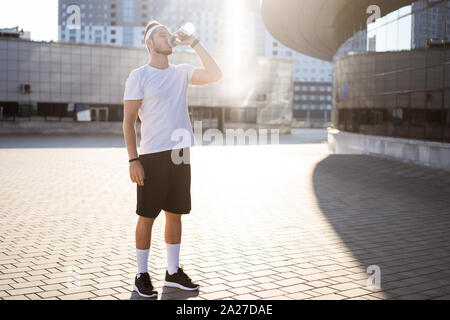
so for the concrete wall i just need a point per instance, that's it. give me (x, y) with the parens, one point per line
(428, 153)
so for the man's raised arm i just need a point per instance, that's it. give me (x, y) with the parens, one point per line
(211, 71)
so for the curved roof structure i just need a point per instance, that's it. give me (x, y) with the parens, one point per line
(317, 28)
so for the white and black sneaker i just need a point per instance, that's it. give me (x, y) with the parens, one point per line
(180, 280)
(143, 285)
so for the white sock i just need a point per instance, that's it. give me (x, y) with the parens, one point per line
(173, 257)
(142, 260)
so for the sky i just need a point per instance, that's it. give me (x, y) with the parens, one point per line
(40, 17)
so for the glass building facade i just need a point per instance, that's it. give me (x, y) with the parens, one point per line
(56, 81)
(393, 79)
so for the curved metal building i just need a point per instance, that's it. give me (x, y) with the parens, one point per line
(391, 86)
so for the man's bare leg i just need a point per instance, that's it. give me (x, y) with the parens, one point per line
(144, 232)
(173, 228)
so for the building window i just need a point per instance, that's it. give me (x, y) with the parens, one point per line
(128, 10)
(275, 52)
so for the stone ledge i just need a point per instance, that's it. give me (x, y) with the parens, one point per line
(428, 153)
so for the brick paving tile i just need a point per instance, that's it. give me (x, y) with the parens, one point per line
(213, 281)
(268, 293)
(16, 292)
(296, 288)
(241, 283)
(345, 286)
(213, 288)
(7, 287)
(123, 295)
(325, 290)
(105, 298)
(26, 284)
(317, 284)
(354, 292)
(298, 296)
(218, 295)
(49, 294)
(241, 290)
(331, 296)
(246, 296)
(78, 296)
(21, 297)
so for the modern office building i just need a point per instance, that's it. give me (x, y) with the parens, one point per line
(66, 81)
(391, 98)
(312, 82)
(222, 26)
(219, 24)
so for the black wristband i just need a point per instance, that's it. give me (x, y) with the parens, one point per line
(135, 159)
(194, 43)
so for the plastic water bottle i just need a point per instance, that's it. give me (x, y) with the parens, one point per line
(182, 33)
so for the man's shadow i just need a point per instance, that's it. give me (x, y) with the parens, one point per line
(168, 293)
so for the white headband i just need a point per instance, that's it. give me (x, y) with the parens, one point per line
(150, 31)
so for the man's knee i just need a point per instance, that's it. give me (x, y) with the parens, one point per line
(146, 220)
(172, 216)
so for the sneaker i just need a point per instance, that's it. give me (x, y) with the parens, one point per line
(143, 286)
(180, 280)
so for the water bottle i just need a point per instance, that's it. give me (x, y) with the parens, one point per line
(182, 33)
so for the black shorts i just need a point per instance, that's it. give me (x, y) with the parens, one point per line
(167, 185)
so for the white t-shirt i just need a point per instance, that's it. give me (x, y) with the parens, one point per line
(164, 106)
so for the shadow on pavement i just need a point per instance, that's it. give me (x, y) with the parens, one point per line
(168, 293)
(391, 214)
(136, 296)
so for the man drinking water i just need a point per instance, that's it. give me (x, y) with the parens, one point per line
(156, 92)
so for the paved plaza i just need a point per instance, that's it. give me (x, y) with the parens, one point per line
(287, 221)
